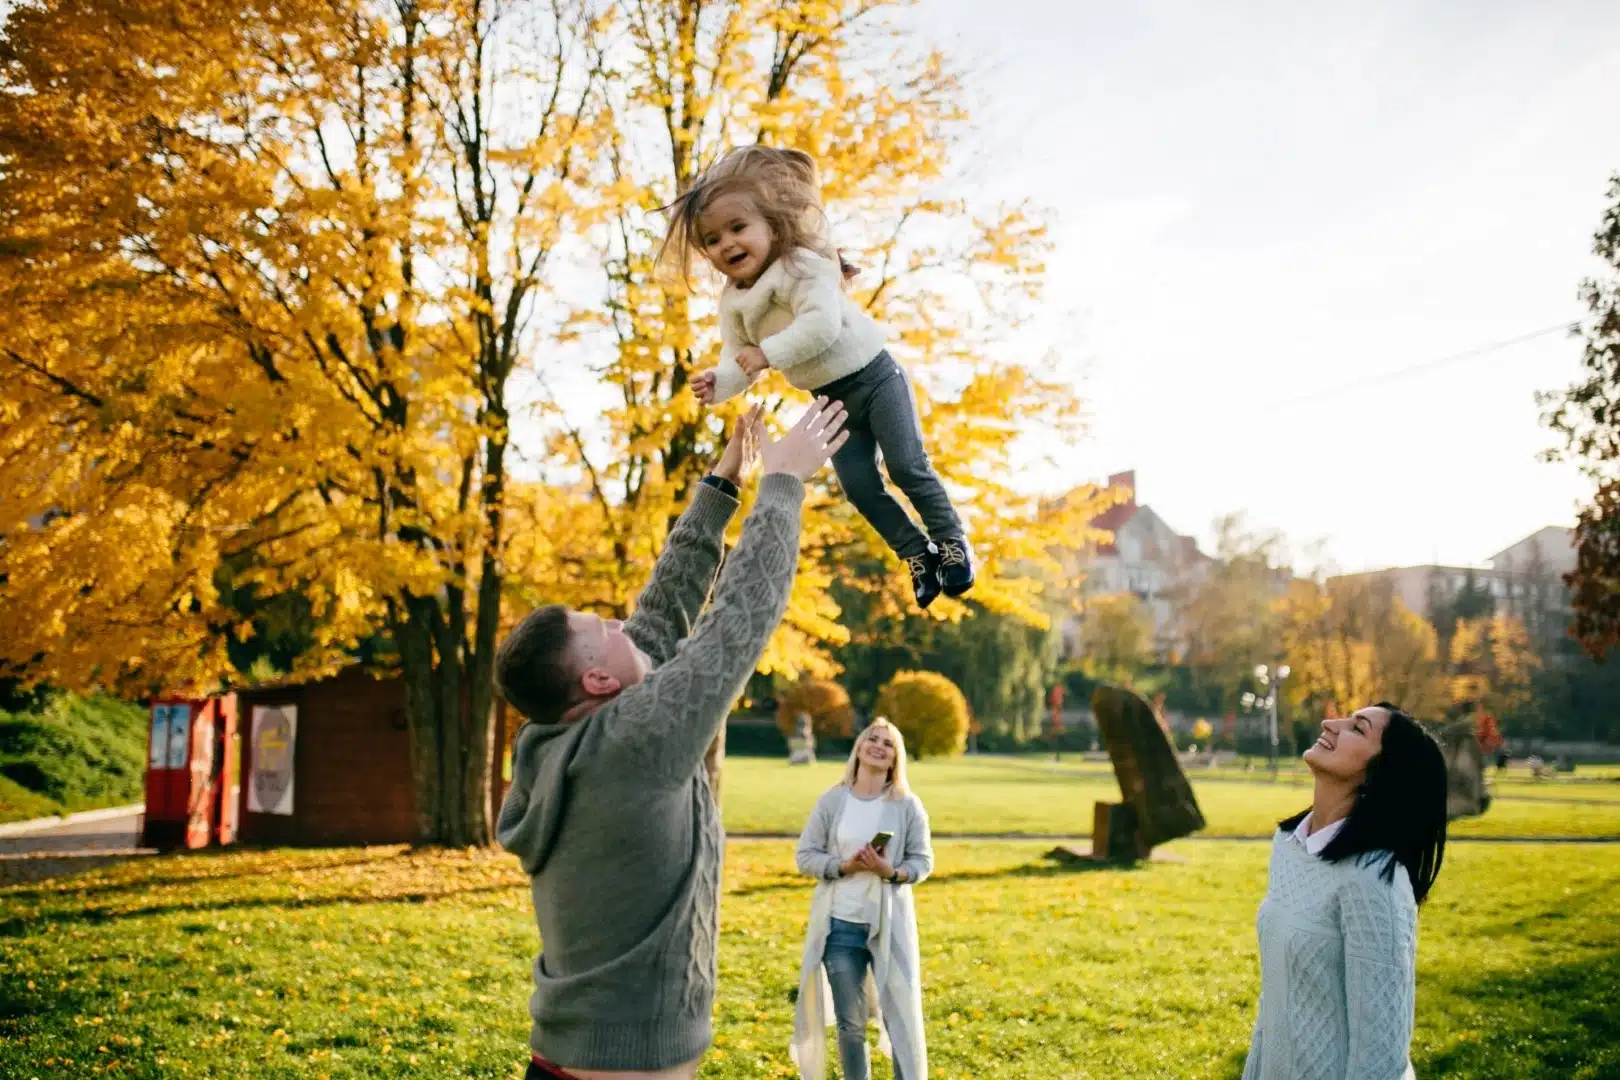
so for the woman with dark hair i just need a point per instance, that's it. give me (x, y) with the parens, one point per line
(1338, 927)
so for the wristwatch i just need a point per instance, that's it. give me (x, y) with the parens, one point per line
(721, 484)
(894, 878)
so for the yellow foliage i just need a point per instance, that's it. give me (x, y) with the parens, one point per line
(929, 710)
(883, 116)
(1116, 637)
(266, 273)
(274, 277)
(1492, 662)
(1351, 642)
(827, 703)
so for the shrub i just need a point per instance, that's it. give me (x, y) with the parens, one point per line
(929, 710)
(831, 716)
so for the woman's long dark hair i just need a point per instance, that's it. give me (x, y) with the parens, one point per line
(1400, 809)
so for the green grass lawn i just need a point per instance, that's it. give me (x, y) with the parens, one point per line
(1032, 795)
(387, 963)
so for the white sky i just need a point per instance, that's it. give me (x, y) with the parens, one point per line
(1260, 201)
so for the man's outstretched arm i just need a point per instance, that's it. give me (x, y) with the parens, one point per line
(662, 726)
(684, 573)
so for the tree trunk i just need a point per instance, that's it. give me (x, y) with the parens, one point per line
(421, 709)
(449, 710)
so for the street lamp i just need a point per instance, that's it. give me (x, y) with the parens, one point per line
(1272, 680)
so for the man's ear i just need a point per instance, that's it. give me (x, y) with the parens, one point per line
(599, 683)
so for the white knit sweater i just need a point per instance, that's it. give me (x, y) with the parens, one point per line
(798, 315)
(1338, 948)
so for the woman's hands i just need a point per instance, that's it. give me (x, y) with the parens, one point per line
(870, 860)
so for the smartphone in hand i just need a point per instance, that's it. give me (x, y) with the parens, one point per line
(881, 840)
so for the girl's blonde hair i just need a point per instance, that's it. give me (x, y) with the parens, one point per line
(898, 787)
(782, 186)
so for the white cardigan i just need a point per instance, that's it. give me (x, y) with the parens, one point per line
(894, 985)
(798, 315)
(1338, 953)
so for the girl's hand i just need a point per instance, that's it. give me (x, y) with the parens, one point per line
(752, 360)
(703, 387)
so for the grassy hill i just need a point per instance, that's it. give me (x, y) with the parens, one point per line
(71, 754)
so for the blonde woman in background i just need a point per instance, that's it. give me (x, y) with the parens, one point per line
(866, 844)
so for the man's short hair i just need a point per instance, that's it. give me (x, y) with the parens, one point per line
(531, 667)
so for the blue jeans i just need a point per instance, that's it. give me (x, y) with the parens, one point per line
(883, 417)
(847, 959)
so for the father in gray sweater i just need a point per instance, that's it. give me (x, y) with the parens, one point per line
(610, 809)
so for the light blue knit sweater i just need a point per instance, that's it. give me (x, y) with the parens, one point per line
(1338, 948)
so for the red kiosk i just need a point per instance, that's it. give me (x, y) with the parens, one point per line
(192, 773)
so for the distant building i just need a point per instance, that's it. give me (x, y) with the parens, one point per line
(1146, 557)
(1524, 580)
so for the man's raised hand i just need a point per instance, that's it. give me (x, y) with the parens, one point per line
(809, 443)
(743, 449)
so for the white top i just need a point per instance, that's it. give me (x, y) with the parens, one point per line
(1315, 841)
(853, 896)
(798, 314)
(1338, 957)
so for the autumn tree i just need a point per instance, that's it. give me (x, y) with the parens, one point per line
(269, 271)
(1116, 637)
(1586, 415)
(1491, 665)
(825, 703)
(280, 284)
(1351, 641)
(884, 117)
(1227, 618)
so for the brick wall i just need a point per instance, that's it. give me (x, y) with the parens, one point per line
(351, 764)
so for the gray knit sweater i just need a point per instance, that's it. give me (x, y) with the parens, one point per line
(1338, 950)
(612, 815)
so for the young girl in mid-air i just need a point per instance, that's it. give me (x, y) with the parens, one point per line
(756, 216)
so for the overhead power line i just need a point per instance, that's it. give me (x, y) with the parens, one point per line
(1427, 365)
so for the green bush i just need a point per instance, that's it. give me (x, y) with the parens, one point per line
(17, 803)
(831, 716)
(929, 710)
(75, 753)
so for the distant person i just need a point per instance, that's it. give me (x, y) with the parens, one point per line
(1501, 760)
(866, 844)
(1338, 927)
(610, 808)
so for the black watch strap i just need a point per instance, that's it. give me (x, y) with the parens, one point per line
(721, 484)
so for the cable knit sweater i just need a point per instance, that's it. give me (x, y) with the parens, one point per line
(1338, 946)
(612, 815)
(797, 314)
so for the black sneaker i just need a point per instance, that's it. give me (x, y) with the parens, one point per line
(955, 566)
(925, 575)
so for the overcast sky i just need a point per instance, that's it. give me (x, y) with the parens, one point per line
(1259, 202)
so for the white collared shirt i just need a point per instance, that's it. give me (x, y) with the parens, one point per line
(1315, 841)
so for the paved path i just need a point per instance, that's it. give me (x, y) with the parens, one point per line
(37, 850)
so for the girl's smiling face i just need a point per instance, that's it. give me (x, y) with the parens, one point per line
(735, 237)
